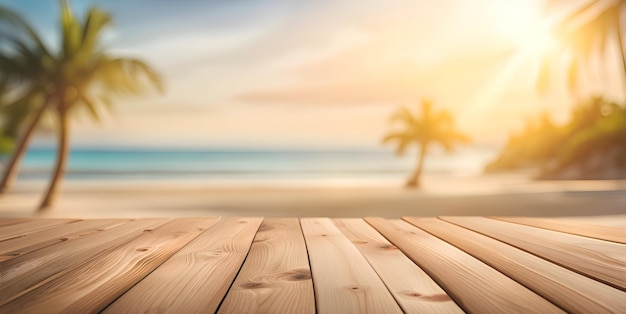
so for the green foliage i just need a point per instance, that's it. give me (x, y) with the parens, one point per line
(596, 128)
(6, 145)
(423, 128)
(529, 148)
(79, 75)
(584, 34)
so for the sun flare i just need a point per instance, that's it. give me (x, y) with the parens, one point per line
(538, 39)
(527, 28)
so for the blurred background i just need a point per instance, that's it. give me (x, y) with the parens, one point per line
(283, 108)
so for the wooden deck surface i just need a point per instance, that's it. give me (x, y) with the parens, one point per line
(308, 265)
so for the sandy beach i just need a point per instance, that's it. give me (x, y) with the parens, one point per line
(487, 195)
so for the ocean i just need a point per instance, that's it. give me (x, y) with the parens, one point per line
(339, 167)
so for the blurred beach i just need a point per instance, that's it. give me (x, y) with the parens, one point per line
(281, 115)
(156, 183)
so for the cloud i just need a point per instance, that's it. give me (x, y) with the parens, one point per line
(352, 79)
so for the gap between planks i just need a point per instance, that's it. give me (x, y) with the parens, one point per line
(571, 291)
(474, 285)
(601, 260)
(95, 284)
(344, 281)
(276, 276)
(218, 253)
(412, 288)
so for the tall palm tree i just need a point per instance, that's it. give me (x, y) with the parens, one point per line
(584, 33)
(83, 76)
(424, 129)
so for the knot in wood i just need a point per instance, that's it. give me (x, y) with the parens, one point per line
(297, 274)
(252, 285)
(388, 247)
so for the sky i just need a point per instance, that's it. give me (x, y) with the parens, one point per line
(328, 74)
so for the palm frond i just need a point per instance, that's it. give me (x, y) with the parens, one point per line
(106, 101)
(451, 138)
(402, 140)
(404, 115)
(10, 16)
(19, 110)
(401, 148)
(139, 68)
(584, 34)
(70, 30)
(430, 126)
(93, 25)
(23, 99)
(395, 136)
(91, 107)
(130, 76)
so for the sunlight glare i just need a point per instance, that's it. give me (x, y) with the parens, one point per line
(525, 26)
(538, 40)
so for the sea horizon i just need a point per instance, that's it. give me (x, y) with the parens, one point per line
(248, 164)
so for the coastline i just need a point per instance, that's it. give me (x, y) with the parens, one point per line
(484, 196)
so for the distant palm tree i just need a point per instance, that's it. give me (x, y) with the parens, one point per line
(82, 75)
(423, 129)
(584, 33)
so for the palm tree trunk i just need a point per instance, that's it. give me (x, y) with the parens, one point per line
(10, 173)
(61, 162)
(414, 180)
(620, 40)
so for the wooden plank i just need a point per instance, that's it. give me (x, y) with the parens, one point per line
(275, 277)
(23, 229)
(569, 290)
(602, 260)
(475, 286)
(616, 220)
(607, 233)
(16, 247)
(412, 288)
(21, 274)
(13, 221)
(196, 278)
(92, 286)
(344, 282)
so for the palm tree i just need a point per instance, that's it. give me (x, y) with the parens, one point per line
(424, 129)
(583, 34)
(83, 76)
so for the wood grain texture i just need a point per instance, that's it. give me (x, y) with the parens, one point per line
(412, 288)
(22, 229)
(344, 281)
(475, 286)
(16, 247)
(21, 274)
(607, 233)
(601, 260)
(275, 277)
(196, 278)
(569, 290)
(94, 285)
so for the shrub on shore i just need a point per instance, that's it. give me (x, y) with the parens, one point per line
(591, 145)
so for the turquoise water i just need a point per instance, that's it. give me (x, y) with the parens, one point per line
(246, 165)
